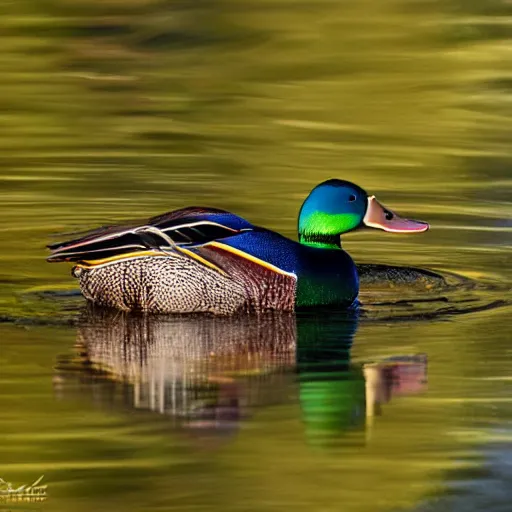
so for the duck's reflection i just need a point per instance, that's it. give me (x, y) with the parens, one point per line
(337, 395)
(209, 373)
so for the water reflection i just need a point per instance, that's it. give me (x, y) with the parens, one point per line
(338, 396)
(209, 374)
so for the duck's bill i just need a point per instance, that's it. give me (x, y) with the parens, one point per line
(377, 216)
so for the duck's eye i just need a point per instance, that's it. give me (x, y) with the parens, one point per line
(352, 198)
(389, 215)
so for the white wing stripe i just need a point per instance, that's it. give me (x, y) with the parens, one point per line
(199, 223)
(151, 229)
(158, 232)
(71, 253)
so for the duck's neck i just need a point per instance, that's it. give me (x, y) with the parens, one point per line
(320, 241)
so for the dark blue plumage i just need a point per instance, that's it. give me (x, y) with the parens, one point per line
(324, 276)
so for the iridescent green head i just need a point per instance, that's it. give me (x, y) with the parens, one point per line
(336, 206)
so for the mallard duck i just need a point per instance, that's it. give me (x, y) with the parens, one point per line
(205, 260)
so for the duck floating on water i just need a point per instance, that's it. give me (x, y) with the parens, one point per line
(205, 260)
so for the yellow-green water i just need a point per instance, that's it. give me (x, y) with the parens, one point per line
(112, 110)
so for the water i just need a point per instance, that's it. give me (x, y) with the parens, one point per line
(117, 110)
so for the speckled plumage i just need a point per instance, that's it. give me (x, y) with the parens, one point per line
(177, 284)
(160, 284)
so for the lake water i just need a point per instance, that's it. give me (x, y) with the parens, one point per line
(112, 110)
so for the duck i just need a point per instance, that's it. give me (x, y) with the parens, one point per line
(208, 260)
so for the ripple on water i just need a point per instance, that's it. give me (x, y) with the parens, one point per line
(388, 293)
(408, 293)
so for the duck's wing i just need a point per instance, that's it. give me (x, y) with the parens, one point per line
(188, 227)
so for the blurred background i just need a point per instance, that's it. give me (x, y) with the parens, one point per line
(119, 109)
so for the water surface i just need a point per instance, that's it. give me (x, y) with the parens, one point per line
(115, 110)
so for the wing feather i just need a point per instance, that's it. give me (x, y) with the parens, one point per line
(187, 227)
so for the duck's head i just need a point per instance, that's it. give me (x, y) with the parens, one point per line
(336, 206)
